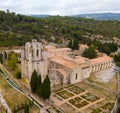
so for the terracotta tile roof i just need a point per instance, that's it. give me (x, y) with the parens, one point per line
(66, 57)
(59, 49)
(80, 61)
(84, 65)
(48, 47)
(100, 60)
(64, 62)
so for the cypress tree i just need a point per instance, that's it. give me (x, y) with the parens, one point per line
(1, 58)
(33, 81)
(39, 86)
(39, 82)
(26, 108)
(39, 91)
(46, 90)
(14, 111)
(6, 111)
(75, 44)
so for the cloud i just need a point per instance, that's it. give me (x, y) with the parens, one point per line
(60, 7)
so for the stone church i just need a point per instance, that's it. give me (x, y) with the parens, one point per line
(59, 64)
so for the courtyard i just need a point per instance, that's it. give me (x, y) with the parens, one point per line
(83, 98)
(75, 97)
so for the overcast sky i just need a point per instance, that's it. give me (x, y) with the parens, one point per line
(60, 7)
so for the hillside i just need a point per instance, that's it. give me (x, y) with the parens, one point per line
(40, 16)
(96, 16)
(100, 16)
(16, 29)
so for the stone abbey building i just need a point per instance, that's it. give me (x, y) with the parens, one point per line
(59, 63)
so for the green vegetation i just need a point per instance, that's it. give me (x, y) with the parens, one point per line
(102, 47)
(90, 97)
(41, 89)
(78, 102)
(64, 94)
(98, 110)
(13, 28)
(74, 44)
(24, 107)
(33, 82)
(108, 105)
(1, 58)
(12, 97)
(117, 59)
(12, 62)
(90, 52)
(46, 90)
(18, 74)
(76, 89)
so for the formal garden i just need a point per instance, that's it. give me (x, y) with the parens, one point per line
(105, 108)
(78, 102)
(83, 98)
(90, 97)
(64, 94)
(80, 97)
(76, 89)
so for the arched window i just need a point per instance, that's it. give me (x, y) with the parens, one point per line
(37, 53)
(76, 76)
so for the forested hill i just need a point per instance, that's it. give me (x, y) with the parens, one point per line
(18, 29)
(101, 16)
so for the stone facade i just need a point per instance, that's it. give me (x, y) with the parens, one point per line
(57, 63)
(32, 59)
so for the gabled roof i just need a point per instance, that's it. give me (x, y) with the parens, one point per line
(100, 60)
(64, 62)
(59, 49)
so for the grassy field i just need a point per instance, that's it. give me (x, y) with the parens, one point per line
(13, 97)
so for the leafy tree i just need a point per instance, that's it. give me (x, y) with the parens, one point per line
(12, 63)
(33, 83)
(117, 59)
(18, 74)
(90, 53)
(70, 45)
(46, 90)
(13, 28)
